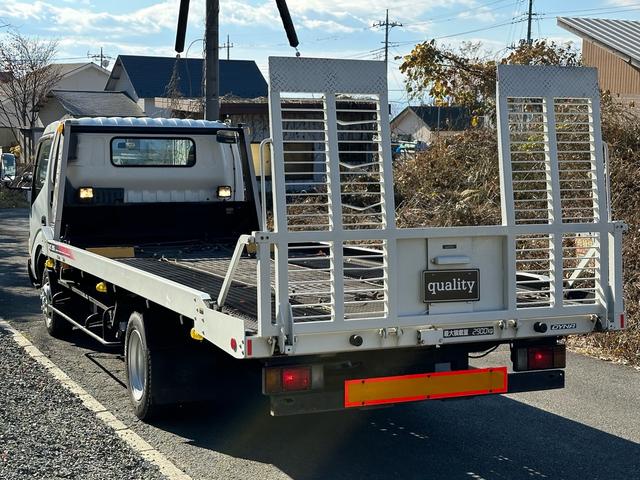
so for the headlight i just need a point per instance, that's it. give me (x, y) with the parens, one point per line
(224, 191)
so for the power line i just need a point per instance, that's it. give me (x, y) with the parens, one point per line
(367, 54)
(599, 10)
(457, 34)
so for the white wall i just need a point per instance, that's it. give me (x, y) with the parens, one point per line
(148, 106)
(85, 78)
(123, 84)
(51, 112)
(410, 124)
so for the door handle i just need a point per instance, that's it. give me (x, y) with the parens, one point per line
(43, 220)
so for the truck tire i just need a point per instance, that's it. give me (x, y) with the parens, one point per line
(143, 382)
(32, 278)
(56, 325)
(36, 275)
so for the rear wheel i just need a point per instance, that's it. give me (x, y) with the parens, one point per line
(139, 362)
(56, 325)
(164, 366)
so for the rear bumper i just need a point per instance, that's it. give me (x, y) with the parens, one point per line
(323, 401)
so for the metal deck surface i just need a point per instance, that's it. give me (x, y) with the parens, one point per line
(241, 300)
(203, 267)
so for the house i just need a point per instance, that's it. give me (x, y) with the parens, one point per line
(613, 47)
(424, 123)
(73, 76)
(61, 104)
(81, 76)
(168, 86)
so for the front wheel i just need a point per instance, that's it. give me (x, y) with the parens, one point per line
(56, 325)
(35, 280)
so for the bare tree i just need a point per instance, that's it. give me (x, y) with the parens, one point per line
(29, 77)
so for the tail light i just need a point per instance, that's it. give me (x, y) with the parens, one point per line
(287, 379)
(539, 357)
(296, 379)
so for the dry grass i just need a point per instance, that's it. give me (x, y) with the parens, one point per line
(454, 183)
(457, 183)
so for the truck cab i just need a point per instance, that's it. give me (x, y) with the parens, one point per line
(128, 181)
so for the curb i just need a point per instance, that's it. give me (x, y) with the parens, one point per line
(135, 441)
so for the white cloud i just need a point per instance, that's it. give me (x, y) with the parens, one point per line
(482, 14)
(24, 10)
(326, 15)
(82, 19)
(326, 25)
(623, 3)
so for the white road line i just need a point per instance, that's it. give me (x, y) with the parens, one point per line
(135, 441)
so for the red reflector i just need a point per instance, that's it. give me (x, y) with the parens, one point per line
(234, 344)
(296, 379)
(622, 320)
(540, 358)
(249, 347)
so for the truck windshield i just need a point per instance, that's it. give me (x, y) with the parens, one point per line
(153, 152)
(8, 165)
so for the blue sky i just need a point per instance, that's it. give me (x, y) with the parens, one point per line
(326, 28)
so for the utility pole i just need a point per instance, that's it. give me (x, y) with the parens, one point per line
(387, 26)
(211, 69)
(529, 39)
(227, 46)
(101, 56)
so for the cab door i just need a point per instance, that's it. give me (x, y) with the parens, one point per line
(41, 191)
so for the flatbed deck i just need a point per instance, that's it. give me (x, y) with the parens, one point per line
(204, 266)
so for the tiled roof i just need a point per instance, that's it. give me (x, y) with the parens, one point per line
(150, 76)
(97, 104)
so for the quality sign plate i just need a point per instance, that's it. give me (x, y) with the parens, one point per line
(451, 285)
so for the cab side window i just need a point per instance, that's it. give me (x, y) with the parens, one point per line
(42, 162)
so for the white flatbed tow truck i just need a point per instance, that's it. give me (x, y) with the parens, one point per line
(154, 234)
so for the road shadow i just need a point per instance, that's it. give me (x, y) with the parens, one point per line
(480, 438)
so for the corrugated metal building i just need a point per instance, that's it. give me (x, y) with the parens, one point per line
(613, 47)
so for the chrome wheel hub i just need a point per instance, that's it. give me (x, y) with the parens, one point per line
(45, 302)
(136, 365)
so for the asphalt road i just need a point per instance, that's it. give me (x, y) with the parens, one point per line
(589, 430)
